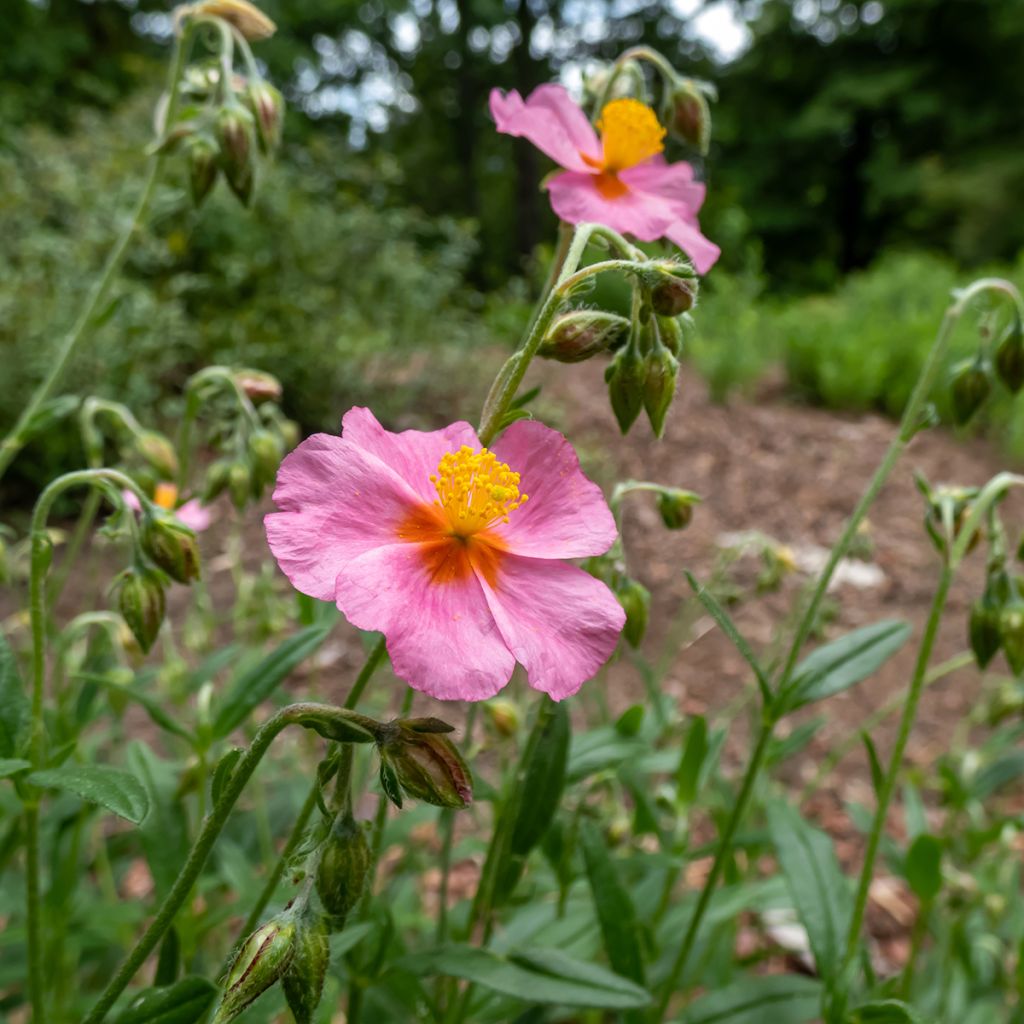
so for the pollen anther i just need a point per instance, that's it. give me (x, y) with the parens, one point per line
(476, 490)
(630, 134)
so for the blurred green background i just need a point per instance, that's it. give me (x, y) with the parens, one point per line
(866, 157)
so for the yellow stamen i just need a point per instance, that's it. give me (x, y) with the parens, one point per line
(476, 490)
(631, 134)
(166, 496)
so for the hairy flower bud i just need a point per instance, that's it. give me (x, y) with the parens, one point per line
(158, 452)
(676, 507)
(258, 386)
(424, 763)
(1009, 356)
(984, 629)
(239, 484)
(635, 599)
(970, 386)
(216, 482)
(687, 116)
(201, 158)
(343, 869)
(234, 132)
(142, 603)
(625, 376)
(576, 336)
(671, 334)
(303, 981)
(171, 546)
(261, 961)
(265, 451)
(504, 716)
(675, 290)
(661, 371)
(242, 15)
(267, 106)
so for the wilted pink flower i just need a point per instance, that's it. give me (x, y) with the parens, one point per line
(193, 513)
(452, 551)
(619, 179)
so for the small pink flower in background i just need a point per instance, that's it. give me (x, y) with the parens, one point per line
(193, 514)
(619, 179)
(452, 551)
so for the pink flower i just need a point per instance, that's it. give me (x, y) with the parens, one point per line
(193, 514)
(621, 179)
(452, 551)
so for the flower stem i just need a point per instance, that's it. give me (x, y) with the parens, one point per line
(18, 435)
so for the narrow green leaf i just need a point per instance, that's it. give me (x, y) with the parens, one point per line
(543, 782)
(694, 752)
(255, 685)
(877, 774)
(817, 886)
(14, 705)
(924, 867)
(133, 693)
(843, 663)
(182, 1003)
(534, 976)
(885, 1011)
(165, 833)
(615, 911)
(630, 721)
(168, 960)
(12, 765)
(111, 788)
(778, 999)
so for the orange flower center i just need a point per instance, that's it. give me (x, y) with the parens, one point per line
(475, 492)
(166, 496)
(630, 134)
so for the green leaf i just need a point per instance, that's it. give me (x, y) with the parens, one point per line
(182, 1003)
(12, 765)
(843, 663)
(111, 788)
(534, 976)
(885, 1011)
(778, 998)
(816, 884)
(165, 833)
(615, 911)
(133, 693)
(877, 774)
(14, 705)
(997, 774)
(924, 867)
(543, 783)
(694, 752)
(630, 721)
(168, 959)
(254, 685)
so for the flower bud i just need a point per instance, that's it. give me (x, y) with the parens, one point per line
(265, 451)
(216, 481)
(171, 546)
(142, 603)
(671, 334)
(267, 106)
(504, 716)
(625, 376)
(970, 386)
(343, 869)
(258, 386)
(984, 629)
(676, 507)
(234, 132)
(687, 116)
(158, 452)
(303, 981)
(262, 960)
(425, 764)
(675, 291)
(1009, 356)
(242, 15)
(1011, 632)
(239, 484)
(661, 370)
(201, 157)
(635, 599)
(576, 336)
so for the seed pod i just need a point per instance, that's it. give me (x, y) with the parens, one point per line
(201, 158)
(1011, 632)
(267, 106)
(661, 371)
(142, 603)
(303, 981)
(234, 132)
(426, 765)
(343, 868)
(582, 333)
(625, 376)
(171, 546)
(261, 961)
(635, 599)
(158, 452)
(1009, 356)
(676, 507)
(970, 386)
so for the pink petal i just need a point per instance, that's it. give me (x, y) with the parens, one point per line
(566, 515)
(195, 515)
(576, 199)
(703, 252)
(442, 638)
(559, 621)
(412, 454)
(551, 121)
(131, 500)
(672, 182)
(337, 502)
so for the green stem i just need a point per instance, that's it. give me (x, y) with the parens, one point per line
(896, 761)
(212, 826)
(724, 849)
(16, 439)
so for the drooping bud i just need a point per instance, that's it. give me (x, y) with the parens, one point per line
(158, 452)
(970, 386)
(239, 484)
(947, 509)
(343, 869)
(1011, 632)
(504, 716)
(676, 507)
(246, 17)
(661, 371)
(258, 386)
(424, 763)
(1009, 356)
(267, 106)
(303, 981)
(234, 132)
(674, 289)
(266, 451)
(216, 482)
(171, 546)
(625, 376)
(686, 114)
(984, 629)
(201, 157)
(142, 603)
(635, 599)
(261, 961)
(582, 333)
(671, 334)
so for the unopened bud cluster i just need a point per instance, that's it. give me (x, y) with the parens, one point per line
(972, 380)
(417, 759)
